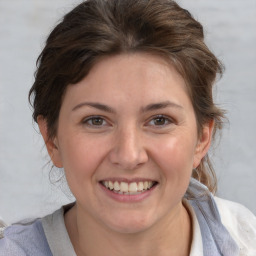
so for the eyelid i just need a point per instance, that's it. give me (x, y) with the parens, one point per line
(86, 119)
(170, 120)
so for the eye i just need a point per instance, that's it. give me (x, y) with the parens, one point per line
(160, 120)
(95, 121)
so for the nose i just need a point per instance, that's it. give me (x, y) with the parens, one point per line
(128, 151)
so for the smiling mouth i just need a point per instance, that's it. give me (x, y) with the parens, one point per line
(125, 188)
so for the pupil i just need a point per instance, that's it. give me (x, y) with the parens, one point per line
(160, 121)
(97, 121)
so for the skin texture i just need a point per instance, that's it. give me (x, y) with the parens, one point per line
(146, 130)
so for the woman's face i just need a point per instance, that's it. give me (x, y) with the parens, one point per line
(127, 139)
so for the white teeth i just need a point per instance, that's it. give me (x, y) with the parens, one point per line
(116, 186)
(140, 186)
(128, 188)
(133, 187)
(145, 184)
(110, 185)
(124, 187)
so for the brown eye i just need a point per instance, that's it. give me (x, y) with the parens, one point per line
(96, 121)
(160, 121)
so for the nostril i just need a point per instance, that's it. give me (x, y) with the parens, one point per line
(128, 160)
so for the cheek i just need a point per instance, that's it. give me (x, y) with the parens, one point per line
(81, 156)
(175, 156)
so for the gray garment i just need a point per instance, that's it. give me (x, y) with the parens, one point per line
(56, 233)
(49, 237)
(216, 239)
(25, 240)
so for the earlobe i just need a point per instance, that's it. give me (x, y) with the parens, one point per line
(51, 144)
(204, 143)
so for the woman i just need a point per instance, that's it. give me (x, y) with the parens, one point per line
(123, 100)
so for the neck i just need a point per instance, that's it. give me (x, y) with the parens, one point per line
(172, 236)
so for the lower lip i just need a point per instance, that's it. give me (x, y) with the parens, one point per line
(127, 198)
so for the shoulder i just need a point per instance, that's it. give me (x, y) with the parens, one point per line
(56, 232)
(24, 240)
(241, 224)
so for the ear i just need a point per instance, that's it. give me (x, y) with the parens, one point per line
(204, 143)
(51, 144)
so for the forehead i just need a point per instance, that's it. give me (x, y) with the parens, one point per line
(129, 78)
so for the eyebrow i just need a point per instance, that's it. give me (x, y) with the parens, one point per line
(150, 107)
(160, 105)
(95, 105)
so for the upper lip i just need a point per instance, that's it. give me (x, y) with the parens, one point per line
(127, 180)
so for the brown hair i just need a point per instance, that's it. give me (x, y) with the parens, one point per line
(98, 28)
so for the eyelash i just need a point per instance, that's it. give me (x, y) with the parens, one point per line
(89, 121)
(167, 121)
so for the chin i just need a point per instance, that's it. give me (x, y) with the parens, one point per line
(130, 223)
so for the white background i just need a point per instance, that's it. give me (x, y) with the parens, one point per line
(25, 189)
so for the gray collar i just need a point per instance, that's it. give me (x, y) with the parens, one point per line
(56, 233)
(216, 239)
